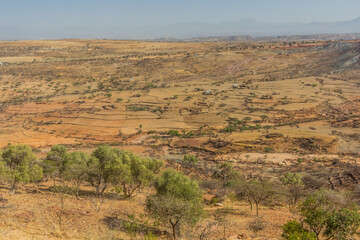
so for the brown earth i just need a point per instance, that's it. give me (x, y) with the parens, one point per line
(293, 102)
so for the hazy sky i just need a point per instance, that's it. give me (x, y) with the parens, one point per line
(64, 13)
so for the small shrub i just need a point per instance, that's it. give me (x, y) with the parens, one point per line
(293, 230)
(269, 149)
(190, 159)
(257, 225)
(215, 200)
(173, 133)
(63, 189)
(174, 97)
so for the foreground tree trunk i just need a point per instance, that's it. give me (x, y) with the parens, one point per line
(251, 205)
(174, 225)
(174, 231)
(13, 186)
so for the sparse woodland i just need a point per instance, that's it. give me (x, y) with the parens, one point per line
(178, 206)
(105, 139)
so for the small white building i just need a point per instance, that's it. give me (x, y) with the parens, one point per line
(207, 93)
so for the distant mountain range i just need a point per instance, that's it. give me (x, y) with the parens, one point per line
(186, 30)
(247, 38)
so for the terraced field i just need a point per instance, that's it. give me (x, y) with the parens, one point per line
(266, 108)
(84, 92)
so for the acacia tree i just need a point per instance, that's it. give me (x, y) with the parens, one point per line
(241, 193)
(222, 216)
(256, 191)
(74, 168)
(225, 174)
(177, 202)
(228, 178)
(20, 165)
(294, 189)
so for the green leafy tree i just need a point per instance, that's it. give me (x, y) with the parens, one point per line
(19, 165)
(133, 172)
(294, 189)
(57, 153)
(101, 168)
(74, 168)
(315, 210)
(291, 179)
(53, 159)
(326, 212)
(114, 166)
(342, 224)
(36, 173)
(177, 202)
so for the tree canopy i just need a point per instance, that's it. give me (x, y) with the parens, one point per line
(20, 164)
(74, 168)
(178, 201)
